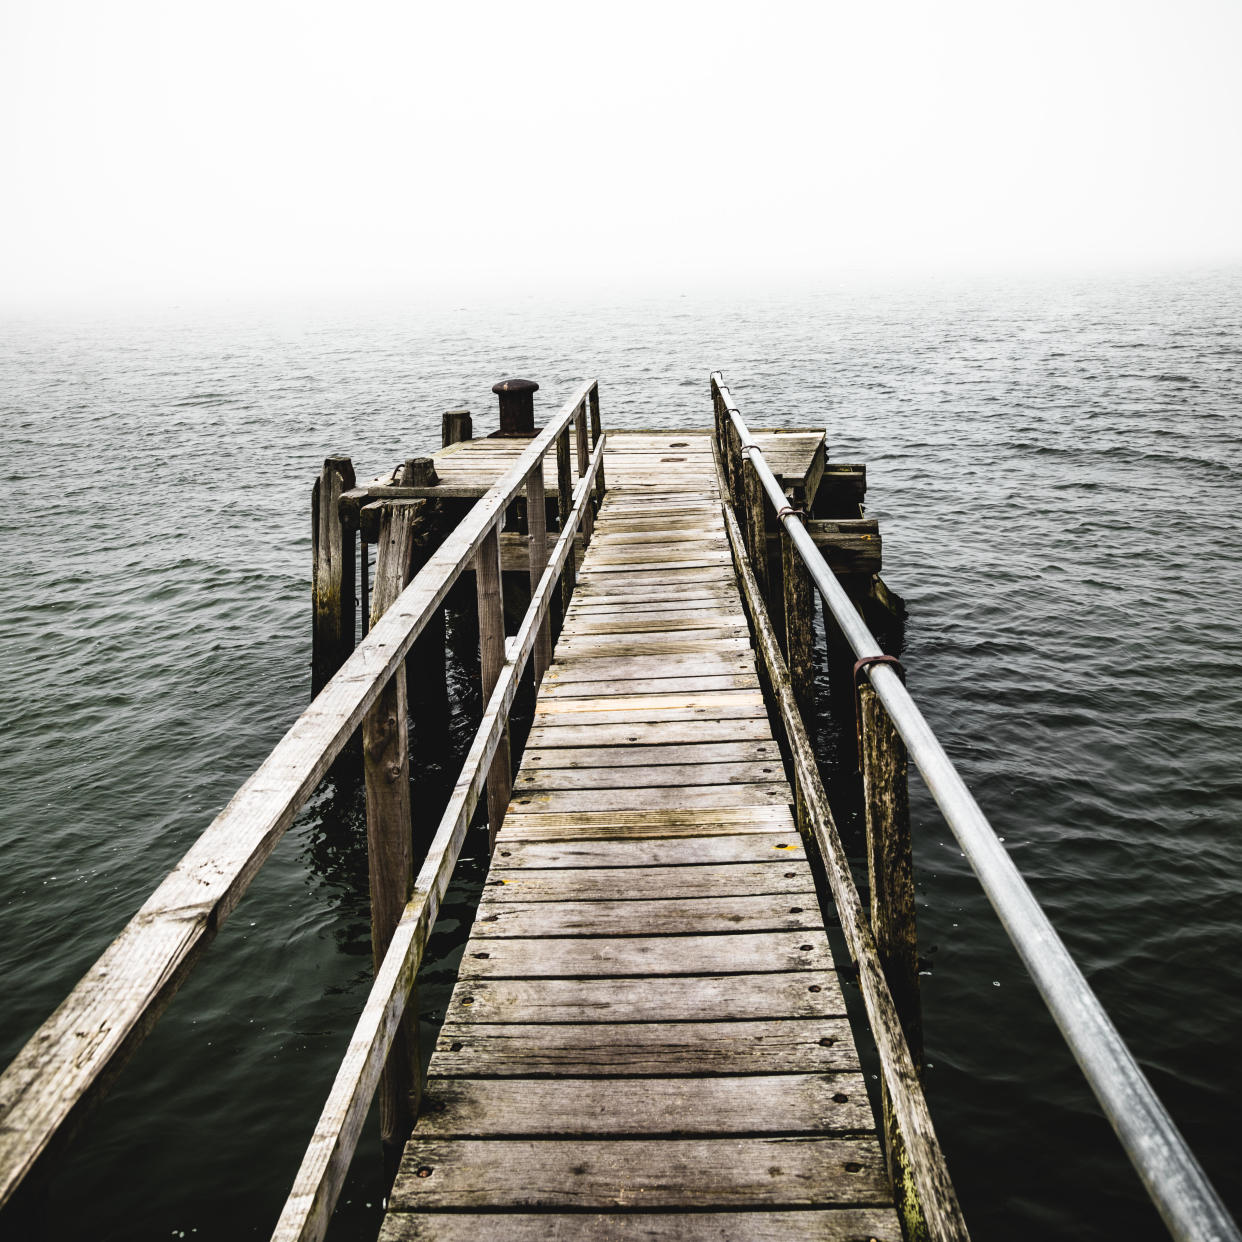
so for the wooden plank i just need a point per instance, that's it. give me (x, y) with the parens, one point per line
(608, 592)
(636, 825)
(701, 704)
(613, 668)
(710, 599)
(773, 794)
(598, 1173)
(846, 1224)
(658, 998)
(680, 621)
(624, 712)
(681, 775)
(734, 633)
(654, 685)
(678, 917)
(600, 662)
(645, 1049)
(579, 881)
(650, 645)
(536, 759)
(669, 732)
(660, 954)
(668, 1107)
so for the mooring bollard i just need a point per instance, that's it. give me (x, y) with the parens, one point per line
(517, 406)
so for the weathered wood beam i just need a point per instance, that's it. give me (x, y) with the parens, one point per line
(849, 546)
(537, 560)
(564, 503)
(799, 603)
(333, 574)
(491, 661)
(386, 763)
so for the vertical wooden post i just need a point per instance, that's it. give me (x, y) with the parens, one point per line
(564, 503)
(426, 669)
(491, 661)
(890, 864)
(799, 634)
(597, 430)
(364, 569)
(455, 426)
(733, 457)
(584, 461)
(333, 574)
(537, 542)
(386, 763)
(756, 527)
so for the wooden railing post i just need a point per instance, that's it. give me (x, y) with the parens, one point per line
(584, 461)
(333, 574)
(537, 541)
(799, 634)
(597, 430)
(564, 503)
(491, 662)
(455, 426)
(890, 864)
(754, 504)
(386, 763)
(426, 666)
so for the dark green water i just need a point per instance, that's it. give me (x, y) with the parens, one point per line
(1057, 470)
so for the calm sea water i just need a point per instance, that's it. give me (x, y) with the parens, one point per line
(1057, 468)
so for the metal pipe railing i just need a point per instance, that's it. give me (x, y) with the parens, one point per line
(1174, 1179)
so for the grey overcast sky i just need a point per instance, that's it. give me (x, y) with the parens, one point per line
(162, 148)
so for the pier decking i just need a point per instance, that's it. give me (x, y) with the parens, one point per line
(647, 1038)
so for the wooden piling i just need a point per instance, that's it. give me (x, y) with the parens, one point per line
(890, 864)
(333, 574)
(799, 634)
(537, 539)
(386, 763)
(455, 426)
(564, 503)
(491, 661)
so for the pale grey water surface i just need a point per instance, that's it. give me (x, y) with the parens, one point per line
(1058, 471)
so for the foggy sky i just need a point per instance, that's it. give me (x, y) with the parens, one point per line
(157, 149)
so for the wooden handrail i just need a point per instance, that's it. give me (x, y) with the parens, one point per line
(322, 1174)
(72, 1058)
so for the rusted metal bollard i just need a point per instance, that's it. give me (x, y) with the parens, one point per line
(517, 406)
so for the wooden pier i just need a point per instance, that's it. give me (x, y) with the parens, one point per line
(648, 1037)
(648, 1026)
